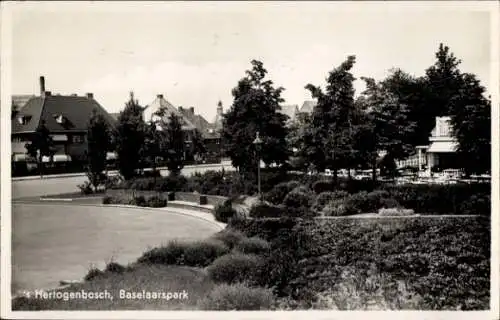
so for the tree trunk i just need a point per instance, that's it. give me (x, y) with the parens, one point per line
(374, 169)
(349, 174)
(40, 166)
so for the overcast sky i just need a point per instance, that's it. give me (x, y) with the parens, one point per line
(194, 53)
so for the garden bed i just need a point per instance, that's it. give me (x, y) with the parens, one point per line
(413, 263)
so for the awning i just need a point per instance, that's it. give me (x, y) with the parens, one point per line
(442, 147)
(111, 156)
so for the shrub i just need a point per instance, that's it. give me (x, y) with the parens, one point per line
(298, 203)
(237, 297)
(229, 237)
(444, 199)
(395, 212)
(279, 191)
(172, 253)
(321, 186)
(476, 204)
(253, 245)
(156, 202)
(171, 183)
(389, 203)
(93, 273)
(262, 209)
(224, 212)
(85, 188)
(235, 267)
(138, 201)
(338, 208)
(325, 197)
(114, 267)
(202, 253)
(268, 229)
(151, 174)
(107, 200)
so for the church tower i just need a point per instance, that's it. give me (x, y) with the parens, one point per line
(218, 117)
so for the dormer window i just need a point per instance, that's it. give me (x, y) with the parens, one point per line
(24, 119)
(59, 118)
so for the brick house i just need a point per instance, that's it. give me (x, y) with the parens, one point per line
(210, 132)
(65, 116)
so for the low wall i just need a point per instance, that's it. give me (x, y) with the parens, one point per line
(181, 196)
(134, 193)
(195, 197)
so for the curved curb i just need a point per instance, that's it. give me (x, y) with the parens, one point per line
(220, 225)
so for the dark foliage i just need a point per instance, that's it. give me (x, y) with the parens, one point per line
(264, 210)
(224, 212)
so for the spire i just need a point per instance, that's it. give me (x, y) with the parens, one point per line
(218, 117)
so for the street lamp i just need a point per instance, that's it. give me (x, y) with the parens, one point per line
(258, 142)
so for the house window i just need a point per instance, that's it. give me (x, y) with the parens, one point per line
(17, 140)
(23, 119)
(78, 139)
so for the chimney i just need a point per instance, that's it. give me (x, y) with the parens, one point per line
(90, 95)
(42, 85)
(192, 110)
(159, 96)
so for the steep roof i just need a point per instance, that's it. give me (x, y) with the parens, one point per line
(307, 106)
(290, 110)
(200, 123)
(75, 111)
(20, 100)
(160, 103)
(115, 115)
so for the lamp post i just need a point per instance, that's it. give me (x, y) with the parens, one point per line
(258, 142)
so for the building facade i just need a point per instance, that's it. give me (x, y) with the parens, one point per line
(65, 116)
(439, 154)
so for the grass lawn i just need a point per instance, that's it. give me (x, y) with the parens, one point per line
(156, 278)
(54, 242)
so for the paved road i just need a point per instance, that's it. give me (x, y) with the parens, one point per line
(37, 187)
(53, 242)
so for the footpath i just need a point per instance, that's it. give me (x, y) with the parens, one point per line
(225, 164)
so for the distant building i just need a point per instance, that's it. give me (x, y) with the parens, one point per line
(441, 151)
(291, 111)
(65, 116)
(306, 110)
(210, 132)
(161, 104)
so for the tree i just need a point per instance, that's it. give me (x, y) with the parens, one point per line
(332, 119)
(297, 140)
(255, 109)
(390, 108)
(471, 122)
(173, 147)
(151, 149)
(98, 137)
(461, 96)
(41, 145)
(199, 147)
(129, 138)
